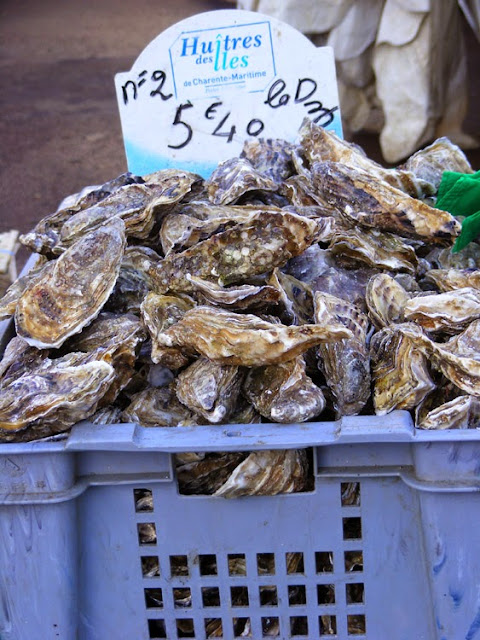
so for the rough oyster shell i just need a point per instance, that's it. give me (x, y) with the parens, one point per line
(386, 300)
(210, 389)
(240, 297)
(8, 303)
(70, 291)
(443, 258)
(300, 192)
(248, 249)
(234, 177)
(19, 358)
(267, 473)
(158, 407)
(296, 297)
(106, 415)
(447, 408)
(360, 200)
(345, 363)
(450, 312)
(451, 279)
(399, 370)
(271, 157)
(283, 392)
(207, 475)
(245, 340)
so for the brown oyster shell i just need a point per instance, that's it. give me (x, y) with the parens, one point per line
(267, 473)
(158, 407)
(240, 297)
(451, 279)
(106, 415)
(18, 358)
(248, 249)
(295, 296)
(70, 291)
(245, 340)
(210, 389)
(283, 392)
(53, 396)
(363, 201)
(448, 408)
(207, 475)
(234, 177)
(8, 303)
(449, 312)
(345, 363)
(399, 370)
(159, 312)
(271, 157)
(386, 300)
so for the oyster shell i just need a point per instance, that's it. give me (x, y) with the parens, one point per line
(267, 473)
(296, 297)
(245, 340)
(210, 389)
(266, 242)
(386, 300)
(283, 392)
(234, 177)
(240, 297)
(18, 358)
(301, 193)
(451, 279)
(159, 312)
(70, 291)
(399, 369)
(449, 312)
(52, 397)
(207, 475)
(106, 415)
(443, 258)
(360, 200)
(345, 363)
(158, 407)
(271, 157)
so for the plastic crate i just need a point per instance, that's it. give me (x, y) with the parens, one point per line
(401, 564)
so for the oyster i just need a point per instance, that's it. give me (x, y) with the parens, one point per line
(283, 392)
(360, 200)
(106, 415)
(449, 312)
(271, 157)
(296, 297)
(245, 340)
(207, 475)
(386, 300)
(399, 369)
(301, 193)
(210, 389)
(158, 407)
(8, 303)
(240, 297)
(267, 473)
(171, 185)
(266, 242)
(53, 396)
(70, 291)
(374, 248)
(443, 258)
(159, 312)
(451, 279)
(463, 412)
(345, 363)
(19, 357)
(234, 177)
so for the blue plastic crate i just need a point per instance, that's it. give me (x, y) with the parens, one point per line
(400, 563)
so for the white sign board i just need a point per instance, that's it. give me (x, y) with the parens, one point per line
(208, 83)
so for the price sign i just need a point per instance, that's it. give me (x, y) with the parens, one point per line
(212, 81)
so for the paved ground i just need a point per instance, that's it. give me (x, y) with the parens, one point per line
(60, 128)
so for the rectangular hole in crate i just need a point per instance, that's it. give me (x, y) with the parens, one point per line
(352, 528)
(355, 592)
(297, 594)
(179, 566)
(350, 494)
(211, 596)
(208, 564)
(182, 597)
(147, 533)
(324, 561)
(356, 625)
(185, 628)
(239, 596)
(268, 596)
(271, 627)
(266, 564)
(237, 564)
(353, 561)
(328, 625)
(213, 628)
(242, 628)
(294, 562)
(298, 626)
(143, 500)
(156, 629)
(150, 566)
(153, 598)
(326, 593)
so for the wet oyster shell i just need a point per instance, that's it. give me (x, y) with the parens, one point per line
(158, 407)
(240, 297)
(234, 177)
(360, 200)
(271, 157)
(449, 312)
(345, 363)
(267, 473)
(248, 249)
(386, 300)
(460, 412)
(283, 392)
(399, 370)
(451, 279)
(8, 303)
(210, 389)
(443, 258)
(106, 415)
(295, 296)
(245, 340)
(19, 358)
(70, 291)
(208, 475)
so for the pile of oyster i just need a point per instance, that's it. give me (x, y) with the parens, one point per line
(299, 282)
